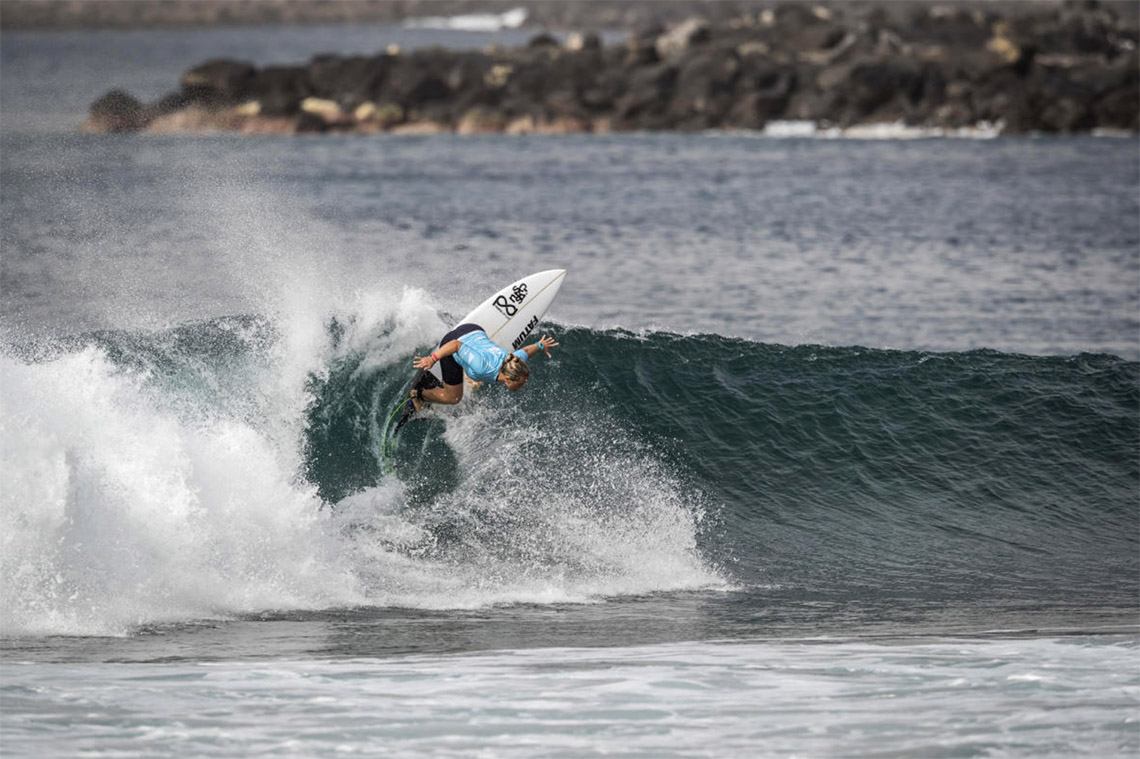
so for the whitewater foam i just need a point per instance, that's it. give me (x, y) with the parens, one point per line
(154, 478)
(117, 512)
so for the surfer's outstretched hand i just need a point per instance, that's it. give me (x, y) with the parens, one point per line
(449, 348)
(546, 343)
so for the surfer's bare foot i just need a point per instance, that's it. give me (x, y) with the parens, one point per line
(417, 400)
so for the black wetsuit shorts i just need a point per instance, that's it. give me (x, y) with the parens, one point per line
(448, 366)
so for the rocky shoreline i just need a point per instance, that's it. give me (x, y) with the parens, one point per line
(1049, 68)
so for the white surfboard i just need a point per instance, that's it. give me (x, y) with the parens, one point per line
(510, 315)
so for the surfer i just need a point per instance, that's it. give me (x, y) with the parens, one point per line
(468, 349)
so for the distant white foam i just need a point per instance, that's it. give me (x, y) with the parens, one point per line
(1114, 133)
(472, 22)
(877, 131)
(790, 129)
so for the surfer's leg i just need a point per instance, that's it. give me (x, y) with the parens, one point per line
(447, 395)
(452, 390)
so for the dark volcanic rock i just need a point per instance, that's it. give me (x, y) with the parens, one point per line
(762, 92)
(646, 95)
(219, 82)
(350, 81)
(703, 94)
(1116, 106)
(280, 89)
(310, 123)
(416, 80)
(116, 111)
(167, 104)
(1036, 67)
(887, 89)
(542, 40)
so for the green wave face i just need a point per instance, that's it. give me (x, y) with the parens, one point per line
(810, 460)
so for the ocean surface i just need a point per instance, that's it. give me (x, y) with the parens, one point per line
(839, 455)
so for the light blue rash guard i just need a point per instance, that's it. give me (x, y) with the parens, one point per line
(480, 358)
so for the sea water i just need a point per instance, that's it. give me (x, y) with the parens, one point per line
(1031, 697)
(838, 456)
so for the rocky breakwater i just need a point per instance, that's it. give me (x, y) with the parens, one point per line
(1033, 68)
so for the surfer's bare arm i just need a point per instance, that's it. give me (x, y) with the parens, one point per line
(443, 351)
(542, 346)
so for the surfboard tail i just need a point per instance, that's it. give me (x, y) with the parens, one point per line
(423, 380)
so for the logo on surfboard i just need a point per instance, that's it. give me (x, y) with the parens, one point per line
(526, 331)
(507, 304)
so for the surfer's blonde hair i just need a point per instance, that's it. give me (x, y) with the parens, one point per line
(514, 368)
